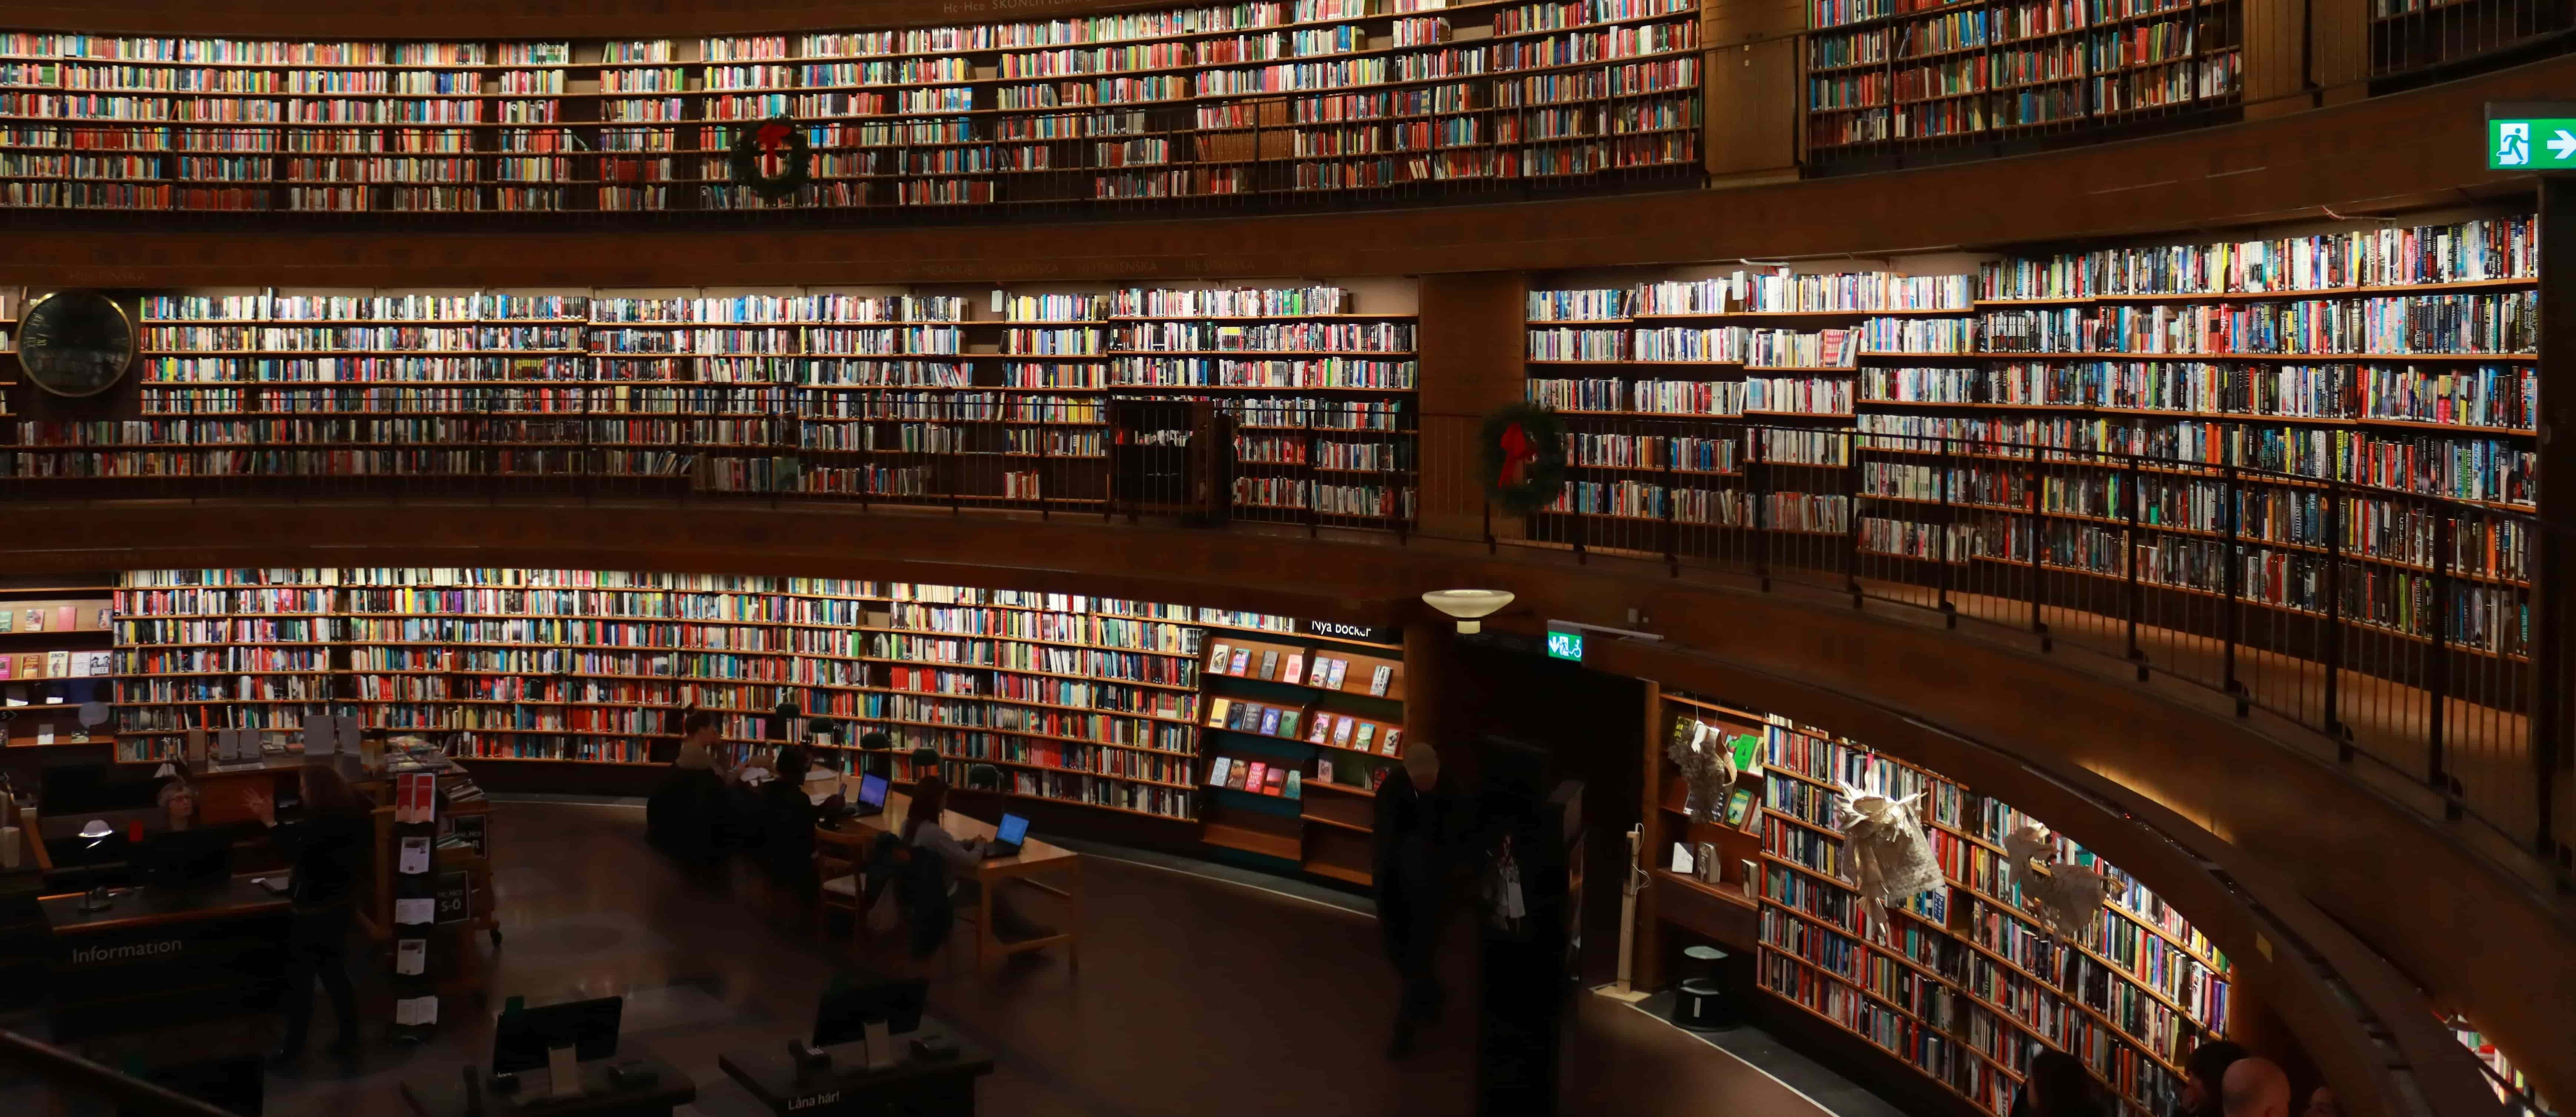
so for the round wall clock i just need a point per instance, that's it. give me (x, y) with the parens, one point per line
(76, 343)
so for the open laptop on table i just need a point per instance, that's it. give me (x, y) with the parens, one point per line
(1007, 838)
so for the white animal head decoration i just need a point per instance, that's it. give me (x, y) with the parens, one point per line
(1708, 766)
(1887, 859)
(2064, 898)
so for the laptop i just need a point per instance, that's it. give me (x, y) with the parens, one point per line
(1007, 838)
(872, 795)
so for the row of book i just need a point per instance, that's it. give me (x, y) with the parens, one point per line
(1935, 989)
(2491, 396)
(577, 676)
(1772, 291)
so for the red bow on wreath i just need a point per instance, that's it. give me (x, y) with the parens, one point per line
(772, 139)
(1518, 453)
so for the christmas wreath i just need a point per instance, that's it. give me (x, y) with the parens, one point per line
(773, 160)
(1524, 449)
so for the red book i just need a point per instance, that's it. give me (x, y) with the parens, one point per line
(1252, 779)
(1276, 780)
(66, 617)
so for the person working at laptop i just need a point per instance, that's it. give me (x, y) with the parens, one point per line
(922, 831)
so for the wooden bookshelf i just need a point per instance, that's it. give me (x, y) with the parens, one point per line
(1242, 102)
(1353, 731)
(1088, 700)
(54, 656)
(918, 397)
(1962, 982)
(1887, 79)
(1940, 418)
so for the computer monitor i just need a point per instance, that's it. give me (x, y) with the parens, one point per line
(96, 789)
(184, 859)
(872, 790)
(846, 1011)
(522, 1039)
(1013, 831)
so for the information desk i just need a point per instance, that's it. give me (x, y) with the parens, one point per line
(162, 957)
(912, 1088)
(444, 1095)
(1035, 859)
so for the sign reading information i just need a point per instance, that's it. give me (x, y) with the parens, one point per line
(2531, 136)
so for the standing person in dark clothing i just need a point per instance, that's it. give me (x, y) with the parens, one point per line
(1421, 833)
(327, 848)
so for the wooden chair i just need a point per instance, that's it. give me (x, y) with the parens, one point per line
(840, 859)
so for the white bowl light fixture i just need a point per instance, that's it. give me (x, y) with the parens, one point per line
(1468, 606)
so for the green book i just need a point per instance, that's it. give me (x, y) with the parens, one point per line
(1288, 722)
(1748, 754)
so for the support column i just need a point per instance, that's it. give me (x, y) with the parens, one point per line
(1474, 359)
(1755, 98)
(2303, 54)
(2553, 613)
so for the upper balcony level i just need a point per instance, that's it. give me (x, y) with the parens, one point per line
(863, 115)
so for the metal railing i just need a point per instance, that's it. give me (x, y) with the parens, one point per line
(1253, 455)
(1451, 133)
(70, 1072)
(2394, 620)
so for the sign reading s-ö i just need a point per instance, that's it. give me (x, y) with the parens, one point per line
(2531, 136)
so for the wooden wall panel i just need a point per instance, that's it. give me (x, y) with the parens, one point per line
(1474, 359)
(2467, 930)
(2406, 149)
(1754, 88)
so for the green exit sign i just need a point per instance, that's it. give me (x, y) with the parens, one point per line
(1565, 645)
(2531, 136)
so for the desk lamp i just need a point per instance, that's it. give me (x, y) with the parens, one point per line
(95, 832)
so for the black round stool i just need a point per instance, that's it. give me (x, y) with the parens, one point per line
(1699, 1002)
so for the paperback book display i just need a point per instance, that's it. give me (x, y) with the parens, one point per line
(1269, 97)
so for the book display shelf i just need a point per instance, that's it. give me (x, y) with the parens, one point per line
(1301, 729)
(1888, 77)
(1100, 702)
(1961, 984)
(54, 658)
(1270, 97)
(949, 395)
(2087, 413)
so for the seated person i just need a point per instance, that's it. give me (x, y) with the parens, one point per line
(922, 831)
(178, 800)
(786, 851)
(686, 814)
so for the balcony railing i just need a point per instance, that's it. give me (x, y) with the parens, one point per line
(2394, 621)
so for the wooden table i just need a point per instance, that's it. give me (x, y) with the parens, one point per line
(911, 1088)
(444, 1095)
(1035, 859)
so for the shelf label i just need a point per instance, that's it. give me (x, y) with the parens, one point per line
(1565, 645)
(2531, 136)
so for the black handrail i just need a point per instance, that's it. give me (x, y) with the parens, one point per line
(131, 1094)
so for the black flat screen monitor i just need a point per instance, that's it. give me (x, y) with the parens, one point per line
(846, 1012)
(92, 789)
(185, 859)
(521, 1040)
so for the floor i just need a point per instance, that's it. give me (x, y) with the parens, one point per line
(1196, 995)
